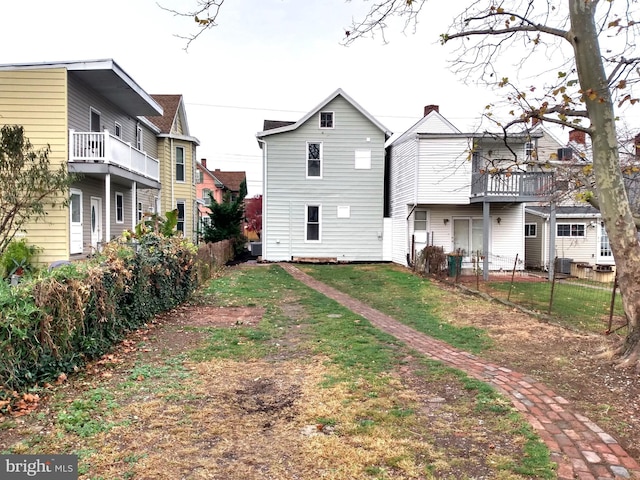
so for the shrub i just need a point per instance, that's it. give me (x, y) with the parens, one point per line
(56, 322)
(17, 258)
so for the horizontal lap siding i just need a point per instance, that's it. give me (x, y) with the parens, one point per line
(82, 98)
(444, 171)
(37, 99)
(402, 195)
(288, 190)
(579, 249)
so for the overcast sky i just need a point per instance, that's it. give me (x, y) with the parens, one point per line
(267, 59)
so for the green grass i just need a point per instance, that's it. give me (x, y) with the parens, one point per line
(575, 304)
(86, 416)
(402, 295)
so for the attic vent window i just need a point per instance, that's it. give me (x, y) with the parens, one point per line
(565, 153)
(326, 119)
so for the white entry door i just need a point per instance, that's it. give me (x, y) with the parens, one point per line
(75, 218)
(467, 236)
(96, 222)
(603, 254)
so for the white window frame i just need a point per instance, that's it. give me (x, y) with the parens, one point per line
(140, 211)
(321, 153)
(333, 120)
(95, 111)
(307, 223)
(529, 149)
(362, 160)
(181, 220)
(527, 234)
(424, 220)
(117, 129)
(119, 210)
(571, 235)
(183, 164)
(139, 136)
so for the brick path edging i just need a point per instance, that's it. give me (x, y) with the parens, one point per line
(581, 448)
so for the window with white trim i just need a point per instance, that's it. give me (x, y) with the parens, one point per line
(119, 207)
(420, 220)
(312, 223)
(118, 130)
(180, 205)
(529, 151)
(603, 244)
(314, 159)
(139, 142)
(179, 164)
(363, 160)
(570, 229)
(326, 119)
(140, 211)
(530, 230)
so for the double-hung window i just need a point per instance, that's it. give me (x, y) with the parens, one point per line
(314, 159)
(119, 207)
(530, 230)
(180, 205)
(326, 119)
(179, 164)
(312, 222)
(570, 230)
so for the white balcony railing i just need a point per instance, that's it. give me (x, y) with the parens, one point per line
(512, 184)
(102, 147)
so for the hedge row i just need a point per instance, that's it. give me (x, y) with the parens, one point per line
(58, 321)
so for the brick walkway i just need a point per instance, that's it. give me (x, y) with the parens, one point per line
(581, 449)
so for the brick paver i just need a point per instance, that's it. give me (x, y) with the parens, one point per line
(581, 448)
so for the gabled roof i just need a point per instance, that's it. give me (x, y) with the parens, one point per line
(174, 111)
(170, 105)
(435, 125)
(289, 126)
(229, 180)
(107, 78)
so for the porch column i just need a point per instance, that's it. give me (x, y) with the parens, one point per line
(107, 207)
(552, 239)
(486, 225)
(134, 206)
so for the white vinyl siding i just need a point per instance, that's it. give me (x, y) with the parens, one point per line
(362, 160)
(288, 190)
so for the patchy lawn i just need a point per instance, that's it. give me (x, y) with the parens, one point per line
(260, 377)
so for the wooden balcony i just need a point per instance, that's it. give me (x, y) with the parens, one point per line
(104, 148)
(511, 186)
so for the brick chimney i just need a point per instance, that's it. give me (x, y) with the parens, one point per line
(431, 108)
(577, 136)
(203, 162)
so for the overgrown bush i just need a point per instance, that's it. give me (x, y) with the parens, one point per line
(431, 261)
(56, 322)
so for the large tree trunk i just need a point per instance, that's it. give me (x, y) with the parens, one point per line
(614, 203)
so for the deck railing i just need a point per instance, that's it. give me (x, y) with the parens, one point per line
(102, 147)
(512, 184)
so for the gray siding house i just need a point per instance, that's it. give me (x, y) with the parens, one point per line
(323, 195)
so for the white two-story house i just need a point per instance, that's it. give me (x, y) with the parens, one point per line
(464, 192)
(323, 185)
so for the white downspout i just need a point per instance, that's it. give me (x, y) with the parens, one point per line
(172, 163)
